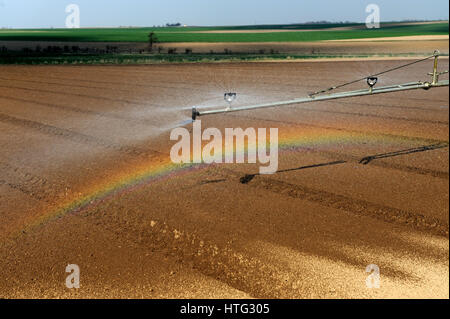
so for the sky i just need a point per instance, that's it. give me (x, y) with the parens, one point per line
(113, 13)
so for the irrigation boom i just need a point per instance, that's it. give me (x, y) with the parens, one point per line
(324, 95)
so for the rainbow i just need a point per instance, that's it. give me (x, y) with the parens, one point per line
(292, 139)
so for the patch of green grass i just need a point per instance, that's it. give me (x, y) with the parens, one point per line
(397, 31)
(166, 35)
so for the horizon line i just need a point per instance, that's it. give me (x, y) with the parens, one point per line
(230, 25)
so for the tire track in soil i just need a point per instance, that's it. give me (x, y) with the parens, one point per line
(390, 106)
(82, 111)
(393, 136)
(73, 94)
(77, 137)
(425, 100)
(219, 261)
(412, 169)
(376, 116)
(37, 187)
(86, 86)
(46, 82)
(398, 167)
(268, 84)
(169, 84)
(341, 202)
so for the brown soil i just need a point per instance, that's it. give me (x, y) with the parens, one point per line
(324, 47)
(308, 231)
(406, 38)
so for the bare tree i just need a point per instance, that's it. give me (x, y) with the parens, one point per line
(152, 39)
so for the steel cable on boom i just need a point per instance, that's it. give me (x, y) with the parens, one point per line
(373, 75)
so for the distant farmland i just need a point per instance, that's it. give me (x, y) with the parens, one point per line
(210, 44)
(266, 33)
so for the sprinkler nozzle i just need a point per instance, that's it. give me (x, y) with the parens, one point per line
(195, 113)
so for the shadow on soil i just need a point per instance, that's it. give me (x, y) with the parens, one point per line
(365, 160)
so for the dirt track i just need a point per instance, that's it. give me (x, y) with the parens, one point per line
(67, 134)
